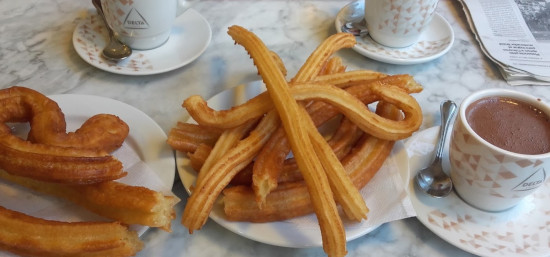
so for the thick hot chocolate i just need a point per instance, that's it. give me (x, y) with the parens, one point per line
(510, 124)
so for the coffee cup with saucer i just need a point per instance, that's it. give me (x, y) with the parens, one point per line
(436, 39)
(500, 148)
(513, 232)
(190, 35)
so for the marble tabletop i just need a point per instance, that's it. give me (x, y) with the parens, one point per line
(36, 51)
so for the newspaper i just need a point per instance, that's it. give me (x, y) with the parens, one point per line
(515, 34)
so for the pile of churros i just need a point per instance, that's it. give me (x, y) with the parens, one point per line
(243, 153)
(76, 166)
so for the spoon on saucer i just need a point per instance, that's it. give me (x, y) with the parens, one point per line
(432, 179)
(356, 28)
(114, 50)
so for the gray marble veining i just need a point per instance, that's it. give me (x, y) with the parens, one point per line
(36, 51)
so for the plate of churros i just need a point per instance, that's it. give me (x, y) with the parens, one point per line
(86, 166)
(303, 231)
(266, 165)
(144, 155)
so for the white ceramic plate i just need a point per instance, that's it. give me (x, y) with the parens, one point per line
(146, 138)
(433, 43)
(299, 232)
(521, 231)
(190, 37)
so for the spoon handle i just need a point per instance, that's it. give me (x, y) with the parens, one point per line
(99, 8)
(448, 110)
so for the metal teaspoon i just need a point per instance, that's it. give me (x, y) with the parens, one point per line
(356, 28)
(114, 50)
(432, 179)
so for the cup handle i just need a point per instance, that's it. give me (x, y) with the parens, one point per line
(183, 5)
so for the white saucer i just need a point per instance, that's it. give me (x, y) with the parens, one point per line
(299, 232)
(190, 36)
(521, 231)
(433, 43)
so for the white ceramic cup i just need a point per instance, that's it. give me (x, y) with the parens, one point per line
(398, 23)
(142, 24)
(488, 177)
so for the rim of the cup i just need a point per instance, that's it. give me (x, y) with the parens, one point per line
(527, 98)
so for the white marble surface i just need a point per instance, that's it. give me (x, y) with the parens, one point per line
(36, 52)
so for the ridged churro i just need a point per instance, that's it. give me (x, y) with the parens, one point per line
(124, 203)
(30, 236)
(291, 114)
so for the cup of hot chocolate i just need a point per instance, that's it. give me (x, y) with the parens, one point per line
(500, 148)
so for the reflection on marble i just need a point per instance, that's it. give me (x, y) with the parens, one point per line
(36, 51)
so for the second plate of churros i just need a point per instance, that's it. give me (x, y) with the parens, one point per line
(266, 165)
(299, 232)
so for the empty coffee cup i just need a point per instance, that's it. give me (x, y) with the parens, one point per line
(142, 24)
(398, 23)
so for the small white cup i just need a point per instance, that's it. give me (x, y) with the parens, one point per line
(142, 24)
(398, 23)
(486, 176)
